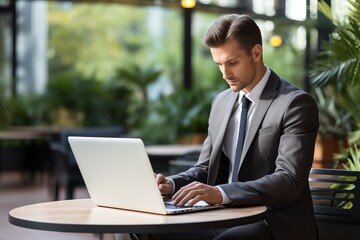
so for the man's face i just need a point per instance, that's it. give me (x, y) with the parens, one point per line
(238, 68)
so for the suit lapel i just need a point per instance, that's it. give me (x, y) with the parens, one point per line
(269, 93)
(229, 108)
(217, 146)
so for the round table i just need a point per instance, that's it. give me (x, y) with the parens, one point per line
(81, 215)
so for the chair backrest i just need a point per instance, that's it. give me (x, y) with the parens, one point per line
(336, 195)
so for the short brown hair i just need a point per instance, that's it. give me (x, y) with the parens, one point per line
(241, 27)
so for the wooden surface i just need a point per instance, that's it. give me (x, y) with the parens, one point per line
(25, 133)
(81, 215)
(19, 136)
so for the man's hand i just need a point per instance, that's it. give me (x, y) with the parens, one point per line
(195, 192)
(165, 186)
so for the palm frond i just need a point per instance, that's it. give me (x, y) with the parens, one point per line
(353, 162)
(325, 9)
(354, 9)
(334, 119)
(339, 63)
(333, 72)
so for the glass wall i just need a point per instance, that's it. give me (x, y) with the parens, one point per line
(121, 36)
(6, 59)
(129, 58)
(6, 42)
(4, 2)
(153, 36)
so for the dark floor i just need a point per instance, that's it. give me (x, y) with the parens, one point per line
(15, 191)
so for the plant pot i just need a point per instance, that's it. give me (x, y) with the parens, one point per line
(325, 148)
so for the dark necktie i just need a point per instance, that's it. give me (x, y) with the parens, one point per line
(245, 102)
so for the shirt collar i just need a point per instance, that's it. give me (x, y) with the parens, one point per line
(254, 94)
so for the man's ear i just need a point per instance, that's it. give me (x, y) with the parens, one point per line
(257, 53)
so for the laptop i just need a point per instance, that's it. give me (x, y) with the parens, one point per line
(118, 174)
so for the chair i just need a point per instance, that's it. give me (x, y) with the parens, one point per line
(336, 199)
(64, 171)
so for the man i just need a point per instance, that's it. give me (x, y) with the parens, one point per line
(281, 127)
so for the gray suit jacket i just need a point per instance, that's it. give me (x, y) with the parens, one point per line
(277, 156)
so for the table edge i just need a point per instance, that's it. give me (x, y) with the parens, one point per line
(145, 228)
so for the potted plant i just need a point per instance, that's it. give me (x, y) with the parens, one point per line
(73, 101)
(335, 123)
(349, 157)
(179, 117)
(138, 79)
(337, 68)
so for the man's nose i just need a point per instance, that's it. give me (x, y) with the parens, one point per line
(226, 73)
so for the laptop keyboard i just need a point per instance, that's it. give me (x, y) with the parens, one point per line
(170, 206)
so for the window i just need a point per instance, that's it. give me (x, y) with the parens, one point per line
(4, 3)
(5, 52)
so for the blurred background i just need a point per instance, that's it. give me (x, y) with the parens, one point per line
(140, 66)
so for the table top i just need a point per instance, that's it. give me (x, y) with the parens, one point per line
(19, 136)
(81, 215)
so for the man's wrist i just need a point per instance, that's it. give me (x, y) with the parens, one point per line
(172, 188)
(225, 198)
